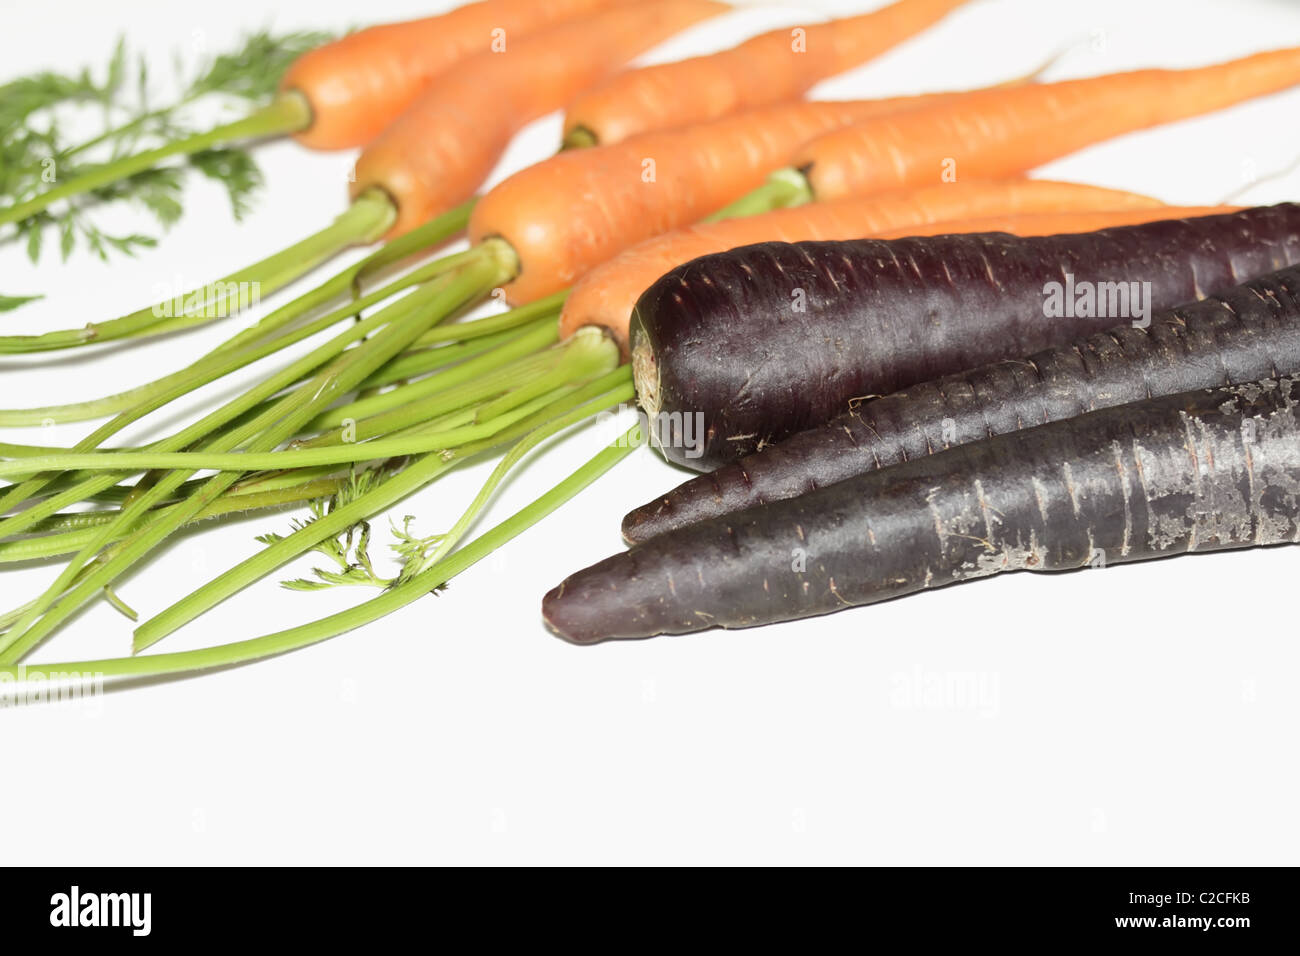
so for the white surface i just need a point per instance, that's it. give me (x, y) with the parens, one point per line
(1141, 715)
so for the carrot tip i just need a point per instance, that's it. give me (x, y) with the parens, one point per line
(571, 621)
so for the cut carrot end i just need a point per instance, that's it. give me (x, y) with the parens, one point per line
(500, 252)
(373, 214)
(289, 112)
(580, 137)
(645, 375)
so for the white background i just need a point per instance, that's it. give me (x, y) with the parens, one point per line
(1144, 714)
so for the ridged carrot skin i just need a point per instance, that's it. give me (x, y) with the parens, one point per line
(1250, 332)
(766, 340)
(437, 153)
(773, 67)
(573, 211)
(1010, 131)
(607, 295)
(360, 83)
(1196, 472)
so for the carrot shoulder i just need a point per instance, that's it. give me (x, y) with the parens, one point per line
(573, 211)
(441, 149)
(770, 68)
(360, 83)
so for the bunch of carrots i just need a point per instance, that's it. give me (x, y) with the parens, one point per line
(744, 263)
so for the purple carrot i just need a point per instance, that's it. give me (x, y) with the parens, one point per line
(1248, 333)
(1198, 471)
(766, 340)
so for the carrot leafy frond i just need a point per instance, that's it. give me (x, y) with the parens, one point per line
(350, 551)
(36, 152)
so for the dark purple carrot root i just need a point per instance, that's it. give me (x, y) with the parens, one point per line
(1249, 333)
(1200, 471)
(767, 340)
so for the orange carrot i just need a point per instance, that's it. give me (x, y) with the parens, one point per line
(359, 84)
(1056, 223)
(343, 93)
(607, 294)
(415, 180)
(573, 211)
(1005, 132)
(438, 152)
(771, 68)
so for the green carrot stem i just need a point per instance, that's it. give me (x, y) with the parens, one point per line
(410, 364)
(417, 416)
(434, 232)
(367, 218)
(473, 337)
(20, 521)
(123, 492)
(197, 431)
(287, 113)
(122, 607)
(219, 365)
(261, 483)
(9, 450)
(224, 415)
(783, 189)
(240, 652)
(497, 368)
(581, 358)
(588, 353)
(256, 333)
(167, 389)
(501, 328)
(264, 433)
(594, 394)
(78, 534)
(117, 132)
(492, 324)
(337, 521)
(422, 237)
(429, 232)
(622, 390)
(404, 408)
(242, 462)
(344, 282)
(237, 501)
(205, 370)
